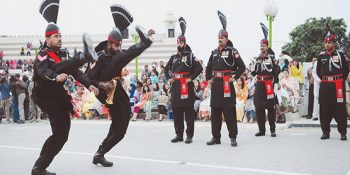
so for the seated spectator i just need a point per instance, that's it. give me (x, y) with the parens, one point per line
(77, 101)
(154, 77)
(134, 94)
(288, 84)
(28, 52)
(296, 73)
(204, 107)
(166, 90)
(22, 51)
(146, 72)
(149, 83)
(198, 96)
(162, 80)
(145, 96)
(249, 106)
(13, 64)
(241, 97)
(88, 101)
(163, 102)
(154, 69)
(144, 78)
(152, 102)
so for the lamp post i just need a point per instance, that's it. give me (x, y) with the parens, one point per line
(136, 39)
(270, 10)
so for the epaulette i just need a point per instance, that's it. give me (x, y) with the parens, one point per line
(323, 53)
(42, 55)
(100, 53)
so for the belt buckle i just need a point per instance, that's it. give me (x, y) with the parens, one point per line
(177, 76)
(219, 74)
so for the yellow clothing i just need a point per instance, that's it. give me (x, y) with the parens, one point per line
(296, 73)
(241, 98)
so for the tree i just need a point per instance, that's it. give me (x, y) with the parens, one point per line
(307, 40)
(347, 47)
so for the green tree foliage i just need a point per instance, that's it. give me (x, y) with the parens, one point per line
(307, 40)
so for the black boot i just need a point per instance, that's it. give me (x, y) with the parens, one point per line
(343, 137)
(324, 136)
(38, 171)
(88, 54)
(273, 134)
(259, 134)
(188, 140)
(233, 142)
(214, 141)
(177, 139)
(100, 159)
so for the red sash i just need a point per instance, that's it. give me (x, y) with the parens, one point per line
(183, 85)
(267, 80)
(339, 91)
(54, 56)
(338, 80)
(227, 88)
(226, 81)
(269, 89)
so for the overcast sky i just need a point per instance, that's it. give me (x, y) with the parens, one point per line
(21, 17)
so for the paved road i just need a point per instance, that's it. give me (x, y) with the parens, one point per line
(147, 150)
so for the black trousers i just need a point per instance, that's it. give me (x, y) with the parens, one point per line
(179, 114)
(261, 118)
(68, 66)
(120, 114)
(216, 121)
(60, 125)
(310, 107)
(336, 110)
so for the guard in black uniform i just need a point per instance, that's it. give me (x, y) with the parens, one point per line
(106, 75)
(266, 71)
(333, 69)
(184, 68)
(224, 66)
(50, 73)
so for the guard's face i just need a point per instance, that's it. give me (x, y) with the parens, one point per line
(54, 41)
(114, 47)
(222, 41)
(263, 47)
(330, 45)
(181, 44)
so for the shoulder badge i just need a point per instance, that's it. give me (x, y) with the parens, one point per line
(41, 58)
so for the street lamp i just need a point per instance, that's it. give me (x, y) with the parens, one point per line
(136, 39)
(270, 10)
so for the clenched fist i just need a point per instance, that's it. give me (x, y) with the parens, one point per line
(61, 77)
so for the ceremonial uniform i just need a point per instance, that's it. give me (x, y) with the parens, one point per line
(333, 69)
(266, 71)
(49, 94)
(222, 65)
(109, 68)
(183, 66)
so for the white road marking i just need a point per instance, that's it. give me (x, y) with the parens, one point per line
(167, 162)
(298, 134)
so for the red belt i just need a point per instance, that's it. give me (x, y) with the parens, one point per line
(338, 80)
(267, 80)
(225, 75)
(182, 77)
